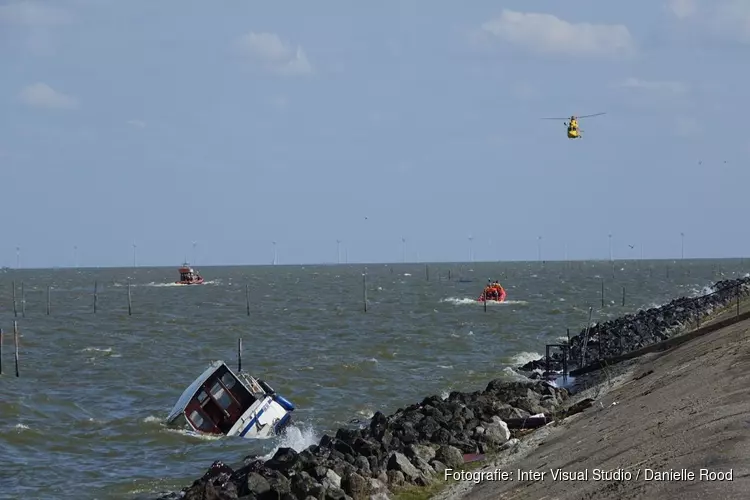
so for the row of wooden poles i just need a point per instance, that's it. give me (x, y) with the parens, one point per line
(15, 342)
(49, 300)
(130, 297)
(96, 300)
(247, 296)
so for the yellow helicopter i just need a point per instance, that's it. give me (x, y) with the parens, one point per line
(574, 132)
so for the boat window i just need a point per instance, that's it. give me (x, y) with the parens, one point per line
(200, 422)
(221, 396)
(228, 380)
(202, 396)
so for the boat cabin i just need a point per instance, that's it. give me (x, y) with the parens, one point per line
(188, 274)
(216, 400)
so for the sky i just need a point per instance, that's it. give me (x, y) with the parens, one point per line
(233, 125)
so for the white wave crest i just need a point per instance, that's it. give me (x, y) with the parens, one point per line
(522, 358)
(512, 373)
(296, 436)
(104, 350)
(466, 301)
(458, 301)
(196, 435)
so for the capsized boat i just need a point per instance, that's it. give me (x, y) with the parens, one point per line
(493, 292)
(189, 276)
(222, 402)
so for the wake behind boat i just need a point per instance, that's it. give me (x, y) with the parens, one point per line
(220, 402)
(493, 292)
(189, 276)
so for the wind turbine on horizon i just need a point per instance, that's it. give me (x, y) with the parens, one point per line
(135, 262)
(338, 251)
(610, 247)
(682, 246)
(75, 256)
(403, 249)
(18, 257)
(274, 252)
(471, 249)
(539, 248)
(195, 243)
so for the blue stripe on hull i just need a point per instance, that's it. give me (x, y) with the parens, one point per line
(252, 423)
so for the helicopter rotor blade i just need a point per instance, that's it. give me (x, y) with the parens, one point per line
(564, 118)
(589, 116)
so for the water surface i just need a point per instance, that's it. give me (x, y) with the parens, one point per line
(84, 418)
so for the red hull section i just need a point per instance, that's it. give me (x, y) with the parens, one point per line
(499, 298)
(191, 282)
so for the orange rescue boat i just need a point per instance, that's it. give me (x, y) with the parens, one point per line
(189, 276)
(493, 292)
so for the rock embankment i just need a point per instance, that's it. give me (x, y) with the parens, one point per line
(416, 444)
(634, 331)
(411, 447)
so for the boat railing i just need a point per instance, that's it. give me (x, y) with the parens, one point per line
(251, 382)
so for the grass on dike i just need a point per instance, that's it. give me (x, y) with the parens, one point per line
(413, 492)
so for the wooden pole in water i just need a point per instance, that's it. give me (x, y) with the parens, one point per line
(364, 289)
(623, 296)
(247, 299)
(427, 271)
(485, 304)
(568, 331)
(130, 302)
(48, 300)
(602, 293)
(15, 341)
(1, 351)
(449, 275)
(239, 355)
(15, 311)
(96, 294)
(23, 300)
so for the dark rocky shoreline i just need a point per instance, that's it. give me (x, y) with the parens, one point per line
(410, 447)
(416, 444)
(647, 326)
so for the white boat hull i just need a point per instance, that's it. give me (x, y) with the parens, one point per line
(264, 419)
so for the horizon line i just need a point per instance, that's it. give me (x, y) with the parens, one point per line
(400, 263)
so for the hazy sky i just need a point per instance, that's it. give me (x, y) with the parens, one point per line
(235, 124)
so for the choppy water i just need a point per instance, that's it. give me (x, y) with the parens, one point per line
(83, 419)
